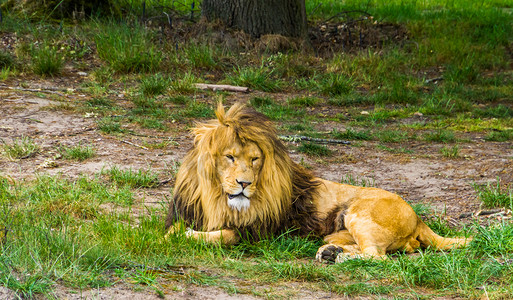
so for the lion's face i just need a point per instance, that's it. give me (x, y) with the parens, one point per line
(238, 168)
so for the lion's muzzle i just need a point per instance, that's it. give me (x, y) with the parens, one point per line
(239, 202)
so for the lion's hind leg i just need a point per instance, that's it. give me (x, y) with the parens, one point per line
(338, 243)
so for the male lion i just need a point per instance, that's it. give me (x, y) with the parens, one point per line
(239, 182)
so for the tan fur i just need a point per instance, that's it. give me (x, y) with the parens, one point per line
(238, 156)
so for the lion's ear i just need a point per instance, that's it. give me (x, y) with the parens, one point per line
(220, 113)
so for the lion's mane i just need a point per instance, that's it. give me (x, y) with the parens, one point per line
(285, 194)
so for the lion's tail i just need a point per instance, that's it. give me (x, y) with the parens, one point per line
(428, 238)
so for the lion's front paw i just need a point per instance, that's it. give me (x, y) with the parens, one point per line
(189, 232)
(328, 253)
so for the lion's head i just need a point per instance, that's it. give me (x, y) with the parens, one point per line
(238, 175)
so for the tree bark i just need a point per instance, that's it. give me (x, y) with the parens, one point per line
(260, 17)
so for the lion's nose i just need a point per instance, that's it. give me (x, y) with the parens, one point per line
(244, 184)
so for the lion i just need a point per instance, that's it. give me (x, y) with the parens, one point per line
(238, 182)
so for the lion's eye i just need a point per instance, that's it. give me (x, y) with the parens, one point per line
(254, 159)
(230, 157)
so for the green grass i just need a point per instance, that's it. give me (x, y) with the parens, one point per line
(47, 61)
(203, 56)
(154, 85)
(109, 125)
(304, 101)
(275, 110)
(440, 136)
(127, 48)
(312, 149)
(20, 148)
(131, 178)
(353, 134)
(62, 245)
(500, 136)
(450, 152)
(493, 195)
(357, 181)
(259, 78)
(334, 84)
(78, 152)
(193, 109)
(392, 136)
(7, 60)
(100, 102)
(184, 84)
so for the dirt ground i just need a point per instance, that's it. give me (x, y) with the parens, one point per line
(423, 176)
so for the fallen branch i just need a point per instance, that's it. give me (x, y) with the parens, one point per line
(130, 143)
(434, 79)
(482, 213)
(221, 87)
(297, 138)
(38, 91)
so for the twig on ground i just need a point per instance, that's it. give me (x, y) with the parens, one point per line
(434, 79)
(38, 91)
(130, 143)
(162, 182)
(499, 211)
(296, 138)
(222, 87)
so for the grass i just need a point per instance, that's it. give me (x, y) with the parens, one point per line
(353, 134)
(357, 181)
(450, 152)
(79, 152)
(154, 85)
(127, 48)
(109, 125)
(275, 110)
(312, 149)
(93, 232)
(500, 136)
(493, 195)
(440, 136)
(47, 61)
(259, 78)
(20, 148)
(63, 245)
(7, 60)
(131, 178)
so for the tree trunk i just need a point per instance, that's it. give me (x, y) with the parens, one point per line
(259, 17)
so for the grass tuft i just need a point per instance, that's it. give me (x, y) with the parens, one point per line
(441, 136)
(7, 60)
(20, 148)
(46, 60)
(335, 84)
(154, 85)
(109, 125)
(78, 152)
(450, 152)
(303, 101)
(127, 48)
(353, 134)
(357, 181)
(312, 149)
(132, 178)
(492, 195)
(260, 78)
(494, 240)
(500, 136)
